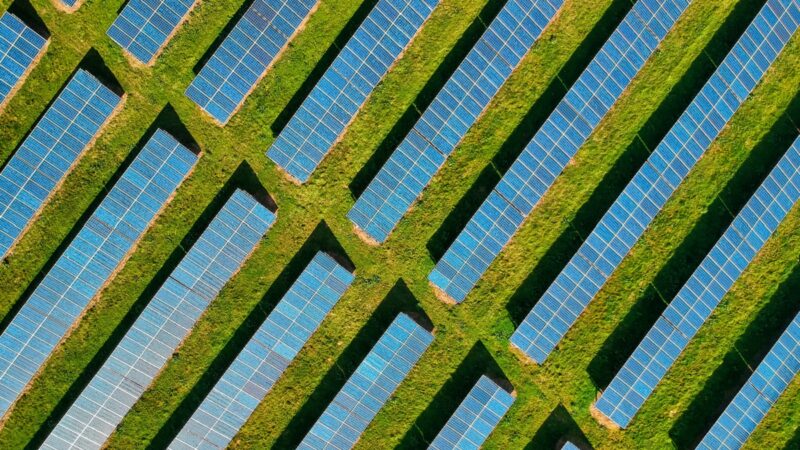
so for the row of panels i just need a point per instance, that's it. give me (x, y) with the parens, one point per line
(50, 151)
(20, 47)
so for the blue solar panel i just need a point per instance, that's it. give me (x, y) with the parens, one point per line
(454, 110)
(89, 262)
(552, 147)
(70, 5)
(163, 324)
(698, 298)
(266, 356)
(370, 386)
(49, 152)
(654, 183)
(345, 86)
(144, 26)
(20, 46)
(754, 400)
(475, 418)
(245, 55)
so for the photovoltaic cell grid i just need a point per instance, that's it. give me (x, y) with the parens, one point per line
(697, 299)
(246, 54)
(163, 324)
(56, 143)
(19, 48)
(454, 110)
(656, 181)
(144, 26)
(266, 356)
(370, 386)
(475, 418)
(754, 400)
(345, 86)
(552, 147)
(89, 262)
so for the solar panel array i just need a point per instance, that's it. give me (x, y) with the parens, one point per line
(370, 386)
(552, 147)
(56, 143)
(266, 356)
(475, 418)
(345, 86)
(455, 109)
(762, 390)
(245, 55)
(697, 299)
(90, 260)
(656, 180)
(145, 26)
(19, 48)
(163, 324)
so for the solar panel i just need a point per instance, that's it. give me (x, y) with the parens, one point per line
(346, 85)
(455, 109)
(754, 400)
(70, 5)
(553, 145)
(370, 386)
(163, 324)
(89, 262)
(20, 47)
(266, 356)
(475, 418)
(257, 40)
(144, 26)
(709, 283)
(633, 211)
(50, 151)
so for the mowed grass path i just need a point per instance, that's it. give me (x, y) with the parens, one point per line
(566, 379)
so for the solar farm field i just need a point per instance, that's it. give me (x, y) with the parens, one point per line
(301, 224)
